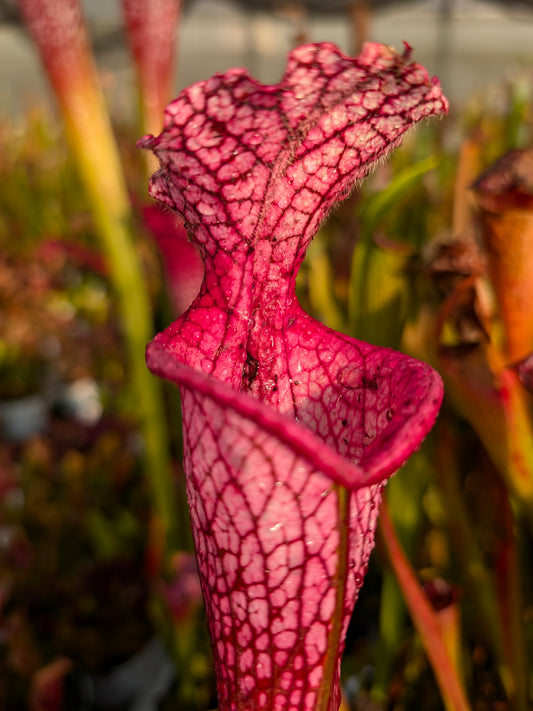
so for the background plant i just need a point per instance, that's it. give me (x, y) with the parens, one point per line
(401, 265)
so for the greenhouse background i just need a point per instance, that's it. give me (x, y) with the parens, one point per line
(471, 44)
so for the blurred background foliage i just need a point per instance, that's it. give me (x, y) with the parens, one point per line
(432, 255)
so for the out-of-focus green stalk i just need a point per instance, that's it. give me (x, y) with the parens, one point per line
(321, 281)
(514, 133)
(392, 629)
(58, 31)
(424, 619)
(466, 547)
(509, 583)
(379, 291)
(92, 144)
(379, 206)
(404, 497)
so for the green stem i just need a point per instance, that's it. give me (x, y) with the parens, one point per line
(334, 638)
(90, 135)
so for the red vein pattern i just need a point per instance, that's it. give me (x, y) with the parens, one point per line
(290, 428)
